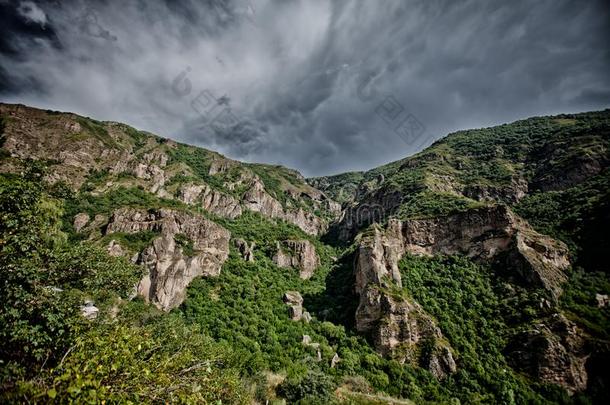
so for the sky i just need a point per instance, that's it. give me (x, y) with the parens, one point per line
(317, 85)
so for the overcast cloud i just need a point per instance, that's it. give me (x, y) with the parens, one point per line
(321, 86)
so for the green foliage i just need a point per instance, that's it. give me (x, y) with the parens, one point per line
(199, 160)
(51, 354)
(471, 310)
(341, 188)
(272, 184)
(313, 387)
(160, 362)
(583, 226)
(42, 277)
(139, 138)
(578, 300)
(243, 308)
(428, 205)
(116, 198)
(98, 130)
(134, 242)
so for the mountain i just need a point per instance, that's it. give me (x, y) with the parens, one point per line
(424, 279)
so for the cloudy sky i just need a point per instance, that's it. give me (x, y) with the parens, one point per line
(318, 85)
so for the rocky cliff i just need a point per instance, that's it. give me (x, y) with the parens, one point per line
(552, 351)
(188, 246)
(398, 323)
(300, 254)
(77, 149)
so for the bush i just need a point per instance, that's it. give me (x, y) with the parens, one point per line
(314, 387)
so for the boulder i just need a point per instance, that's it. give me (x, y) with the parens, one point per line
(295, 304)
(80, 221)
(293, 298)
(114, 249)
(89, 311)
(335, 360)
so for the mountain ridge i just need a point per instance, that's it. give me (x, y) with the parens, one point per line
(221, 242)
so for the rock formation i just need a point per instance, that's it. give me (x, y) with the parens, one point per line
(89, 311)
(300, 254)
(486, 233)
(170, 268)
(552, 352)
(211, 200)
(398, 325)
(114, 249)
(80, 220)
(258, 200)
(294, 300)
(245, 250)
(602, 300)
(335, 360)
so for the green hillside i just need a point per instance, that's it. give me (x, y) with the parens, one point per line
(232, 339)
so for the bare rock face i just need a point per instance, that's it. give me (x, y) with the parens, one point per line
(246, 250)
(220, 165)
(335, 360)
(300, 254)
(398, 325)
(485, 233)
(151, 172)
(510, 193)
(170, 268)
(211, 200)
(602, 300)
(552, 352)
(258, 200)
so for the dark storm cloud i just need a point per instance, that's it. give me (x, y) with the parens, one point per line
(318, 85)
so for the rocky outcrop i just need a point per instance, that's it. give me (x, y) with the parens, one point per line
(294, 300)
(552, 352)
(300, 254)
(114, 249)
(221, 165)
(170, 269)
(335, 360)
(484, 234)
(80, 220)
(398, 325)
(150, 172)
(211, 200)
(245, 250)
(602, 300)
(258, 200)
(510, 193)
